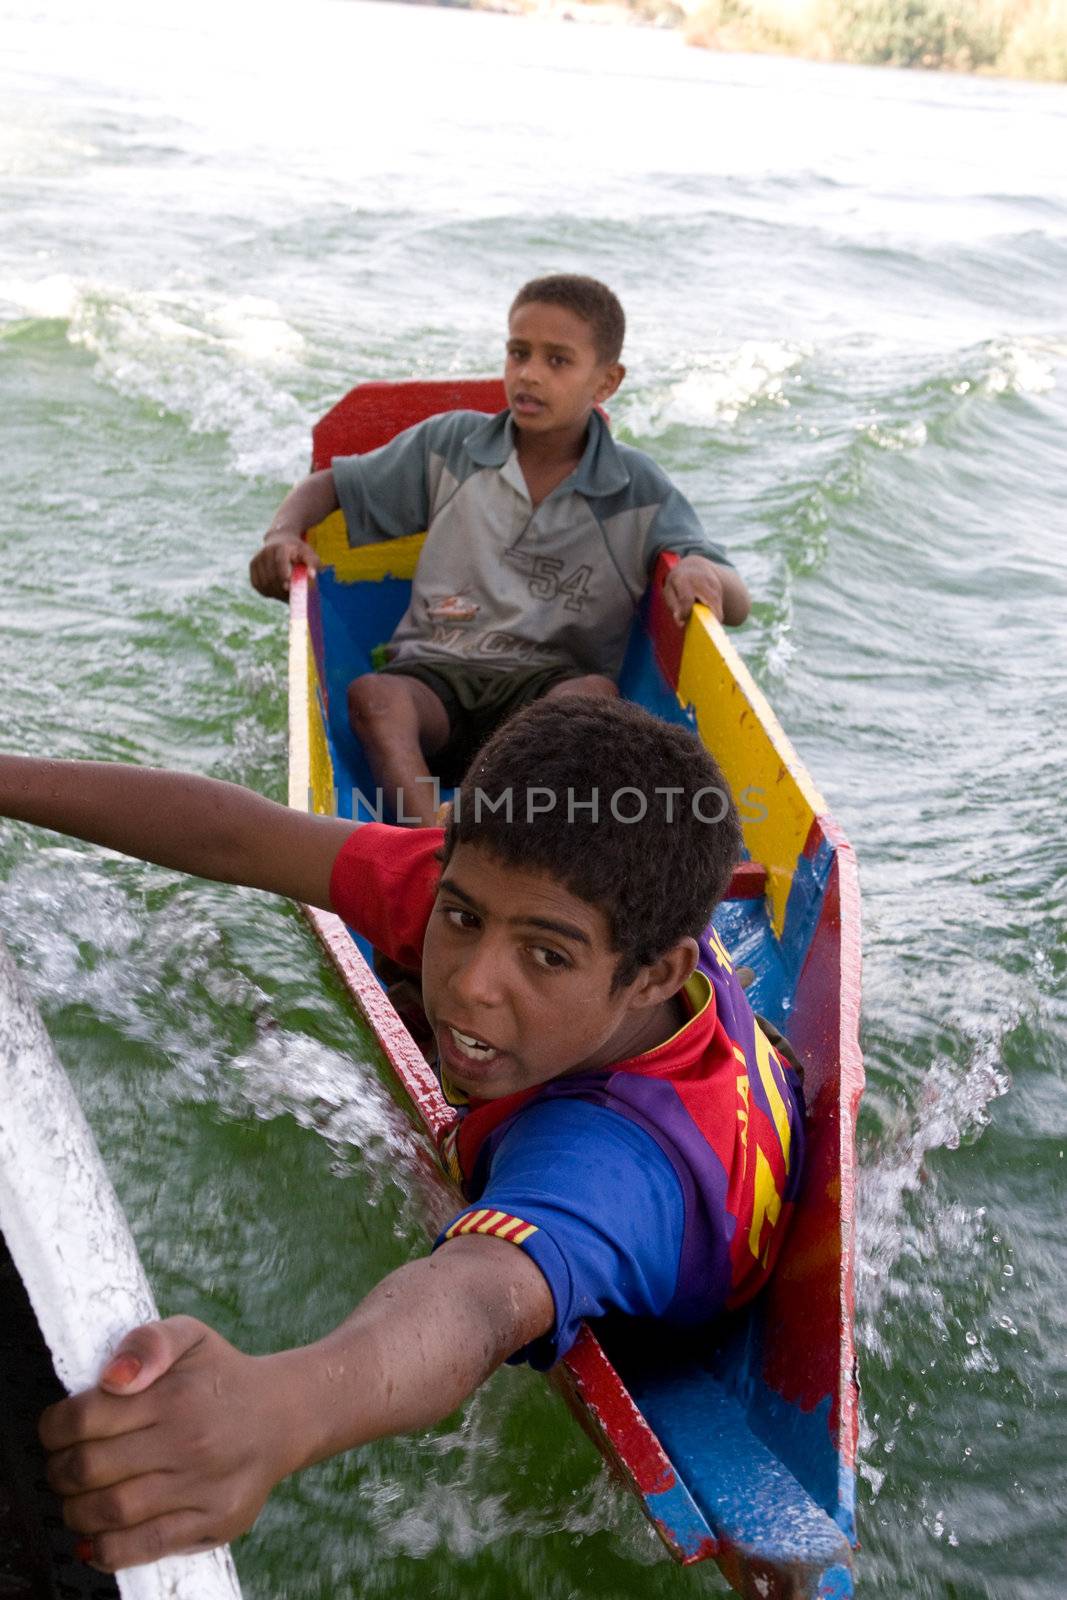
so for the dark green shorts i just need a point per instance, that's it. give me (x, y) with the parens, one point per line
(477, 700)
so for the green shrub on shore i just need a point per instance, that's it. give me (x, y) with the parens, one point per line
(1023, 38)
(917, 33)
(1036, 43)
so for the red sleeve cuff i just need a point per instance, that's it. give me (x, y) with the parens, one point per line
(383, 884)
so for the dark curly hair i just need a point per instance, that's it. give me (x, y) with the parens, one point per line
(587, 298)
(657, 854)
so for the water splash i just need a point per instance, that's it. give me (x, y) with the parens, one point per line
(951, 1107)
(900, 436)
(1022, 367)
(223, 363)
(341, 1099)
(714, 390)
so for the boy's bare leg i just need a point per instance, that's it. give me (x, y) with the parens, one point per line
(593, 683)
(400, 723)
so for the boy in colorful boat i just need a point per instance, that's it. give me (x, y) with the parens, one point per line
(629, 1145)
(541, 536)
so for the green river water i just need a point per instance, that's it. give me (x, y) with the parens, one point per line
(847, 293)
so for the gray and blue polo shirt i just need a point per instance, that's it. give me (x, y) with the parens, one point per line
(498, 583)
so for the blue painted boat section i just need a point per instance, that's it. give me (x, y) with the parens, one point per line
(802, 1440)
(642, 681)
(745, 930)
(352, 615)
(835, 1584)
(845, 1516)
(750, 1498)
(802, 910)
(681, 1520)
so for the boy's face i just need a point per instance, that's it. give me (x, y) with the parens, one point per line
(553, 373)
(516, 980)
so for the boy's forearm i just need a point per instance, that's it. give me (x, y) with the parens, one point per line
(308, 503)
(182, 1439)
(196, 825)
(166, 817)
(736, 600)
(414, 1349)
(284, 545)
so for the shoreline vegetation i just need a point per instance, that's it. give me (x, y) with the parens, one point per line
(1008, 38)
(1014, 38)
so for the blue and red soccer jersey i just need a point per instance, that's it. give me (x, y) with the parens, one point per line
(659, 1187)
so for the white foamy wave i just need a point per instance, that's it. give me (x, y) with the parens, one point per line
(254, 327)
(35, 149)
(290, 1074)
(55, 296)
(86, 936)
(215, 365)
(76, 929)
(951, 1108)
(780, 646)
(453, 1504)
(1022, 368)
(716, 389)
(448, 1521)
(895, 436)
(223, 364)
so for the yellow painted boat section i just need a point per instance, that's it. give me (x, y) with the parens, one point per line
(763, 770)
(363, 563)
(320, 795)
(311, 774)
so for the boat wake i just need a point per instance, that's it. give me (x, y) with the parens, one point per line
(222, 363)
(712, 390)
(953, 1107)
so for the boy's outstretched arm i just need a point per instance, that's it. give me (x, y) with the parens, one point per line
(197, 825)
(284, 544)
(184, 1437)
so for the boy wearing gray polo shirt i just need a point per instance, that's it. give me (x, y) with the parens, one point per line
(541, 535)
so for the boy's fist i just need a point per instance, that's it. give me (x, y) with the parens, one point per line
(693, 578)
(271, 567)
(174, 1450)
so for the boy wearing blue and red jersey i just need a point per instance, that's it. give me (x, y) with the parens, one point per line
(630, 1142)
(668, 1207)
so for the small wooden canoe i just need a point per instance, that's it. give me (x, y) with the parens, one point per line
(741, 1449)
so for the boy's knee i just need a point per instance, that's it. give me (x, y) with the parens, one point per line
(594, 683)
(370, 698)
(388, 712)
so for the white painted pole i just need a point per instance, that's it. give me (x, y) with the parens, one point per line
(72, 1246)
